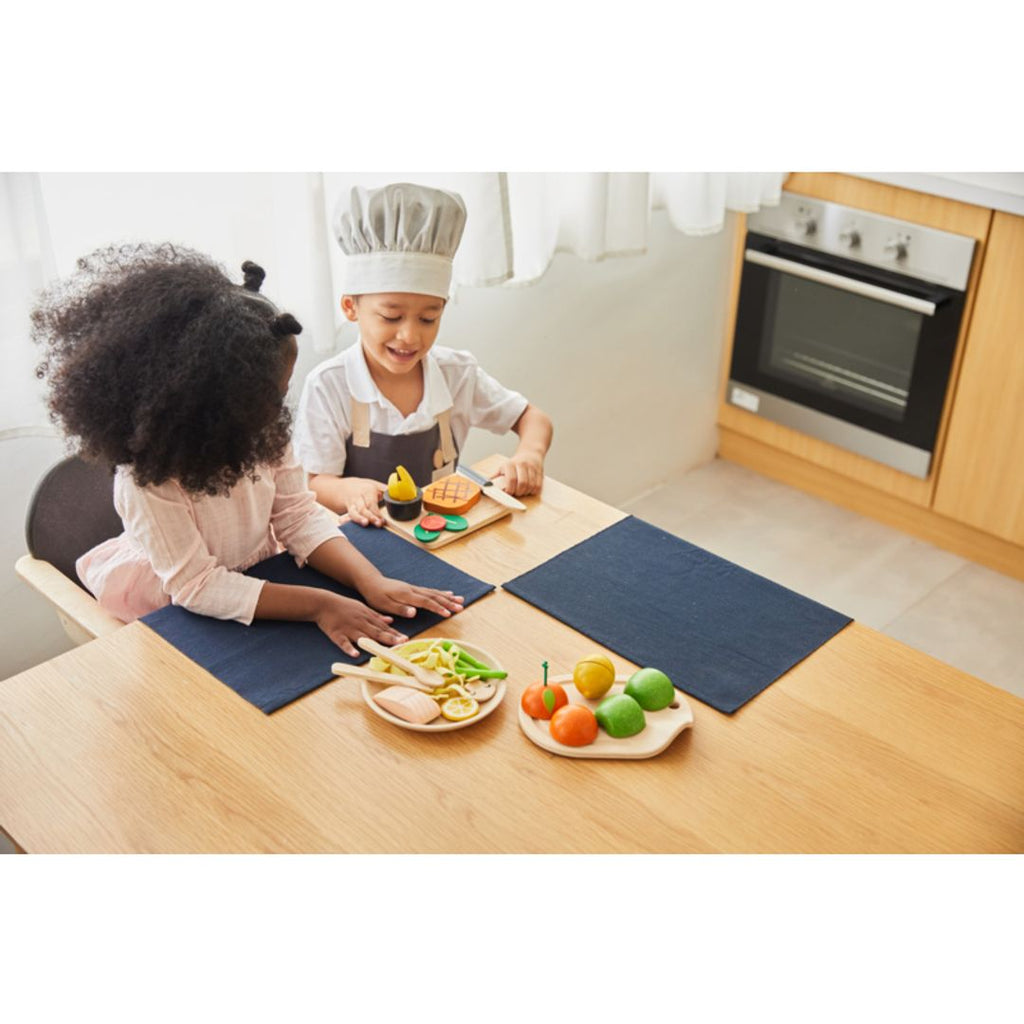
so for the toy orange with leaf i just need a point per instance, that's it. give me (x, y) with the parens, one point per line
(542, 700)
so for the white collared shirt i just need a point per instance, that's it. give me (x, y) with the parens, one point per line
(452, 379)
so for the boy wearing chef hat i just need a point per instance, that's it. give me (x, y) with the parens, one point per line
(393, 398)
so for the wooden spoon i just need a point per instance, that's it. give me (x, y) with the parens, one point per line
(361, 672)
(424, 675)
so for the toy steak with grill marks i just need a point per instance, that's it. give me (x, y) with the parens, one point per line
(393, 398)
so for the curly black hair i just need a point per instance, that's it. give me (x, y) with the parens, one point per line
(157, 361)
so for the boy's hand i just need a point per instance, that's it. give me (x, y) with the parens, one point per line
(401, 598)
(363, 501)
(523, 473)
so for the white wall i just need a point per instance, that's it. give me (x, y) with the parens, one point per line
(623, 354)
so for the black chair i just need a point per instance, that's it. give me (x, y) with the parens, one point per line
(71, 511)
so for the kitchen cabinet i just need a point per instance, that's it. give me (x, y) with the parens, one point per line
(981, 477)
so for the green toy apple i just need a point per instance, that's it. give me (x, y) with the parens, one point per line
(620, 716)
(651, 689)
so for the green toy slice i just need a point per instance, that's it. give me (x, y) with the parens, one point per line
(425, 535)
(456, 523)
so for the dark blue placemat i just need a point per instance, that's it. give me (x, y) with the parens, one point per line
(720, 632)
(271, 663)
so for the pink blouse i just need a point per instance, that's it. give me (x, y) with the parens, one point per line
(191, 550)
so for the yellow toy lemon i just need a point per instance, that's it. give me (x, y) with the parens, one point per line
(594, 676)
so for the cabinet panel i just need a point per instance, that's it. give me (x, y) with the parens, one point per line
(981, 479)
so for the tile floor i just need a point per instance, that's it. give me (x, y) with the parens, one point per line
(952, 609)
(937, 602)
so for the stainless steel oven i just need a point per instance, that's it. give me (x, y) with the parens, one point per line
(846, 327)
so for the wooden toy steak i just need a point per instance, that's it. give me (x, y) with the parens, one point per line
(451, 495)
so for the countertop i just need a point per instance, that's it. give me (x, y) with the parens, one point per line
(995, 190)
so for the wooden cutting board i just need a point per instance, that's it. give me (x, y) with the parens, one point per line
(484, 512)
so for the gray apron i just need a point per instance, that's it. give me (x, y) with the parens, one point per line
(428, 455)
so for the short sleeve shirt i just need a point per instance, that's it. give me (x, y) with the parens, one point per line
(452, 379)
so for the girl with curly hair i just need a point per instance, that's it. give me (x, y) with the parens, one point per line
(164, 368)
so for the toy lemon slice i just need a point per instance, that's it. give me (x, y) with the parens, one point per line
(458, 709)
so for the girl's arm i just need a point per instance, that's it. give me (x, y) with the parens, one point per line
(339, 559)
(524, 471)
(310, 533)
(341, 618)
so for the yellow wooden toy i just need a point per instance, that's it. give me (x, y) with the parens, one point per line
(401, 486)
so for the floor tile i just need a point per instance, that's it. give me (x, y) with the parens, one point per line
(975, 621)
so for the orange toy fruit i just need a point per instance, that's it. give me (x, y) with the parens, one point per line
(594, 676)
(533, 701)
(574, 725)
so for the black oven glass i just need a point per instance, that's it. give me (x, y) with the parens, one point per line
(853, 349)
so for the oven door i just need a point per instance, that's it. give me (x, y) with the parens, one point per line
(855, 355)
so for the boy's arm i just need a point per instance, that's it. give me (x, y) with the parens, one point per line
(358, 496)
(524, 471)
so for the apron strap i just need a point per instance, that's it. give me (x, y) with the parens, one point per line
(360, 424)
(448, 451)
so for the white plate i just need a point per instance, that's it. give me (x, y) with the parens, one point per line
(661, 729)
(440, 724)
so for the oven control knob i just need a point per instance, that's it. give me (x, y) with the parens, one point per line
(850, 237)
(805, 225)
(896, 248)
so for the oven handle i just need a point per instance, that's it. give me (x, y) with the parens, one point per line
(846, 284)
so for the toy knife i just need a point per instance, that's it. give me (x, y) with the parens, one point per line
(491, 489)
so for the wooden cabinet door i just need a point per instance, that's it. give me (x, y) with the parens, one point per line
(981, 477)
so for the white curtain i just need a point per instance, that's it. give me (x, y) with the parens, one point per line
(26, 265)
(47, 221)
(518, 221)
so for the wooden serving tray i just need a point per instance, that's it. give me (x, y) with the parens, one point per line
(661, 729)
(484, 512)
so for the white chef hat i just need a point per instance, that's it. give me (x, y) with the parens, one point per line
(399, 238)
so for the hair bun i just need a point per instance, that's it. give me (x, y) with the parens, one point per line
(285, 324)
(254, 275)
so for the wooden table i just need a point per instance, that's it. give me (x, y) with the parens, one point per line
(866, 746)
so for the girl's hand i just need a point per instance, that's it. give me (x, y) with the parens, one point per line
(391, 595)
(362, 501)
(345, 621)
(523, 473)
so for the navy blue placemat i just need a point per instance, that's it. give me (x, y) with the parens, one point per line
(270, 663)
(721, 633)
